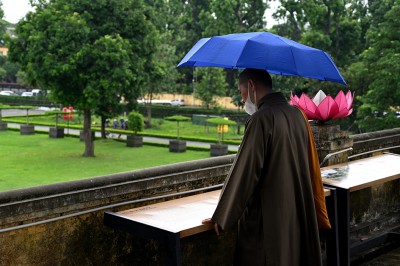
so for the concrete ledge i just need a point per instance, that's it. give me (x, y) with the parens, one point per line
(376, 134)
(43, 202)
(66, 218)
(376, 140)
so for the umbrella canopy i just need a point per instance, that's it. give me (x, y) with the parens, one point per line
(263, 50)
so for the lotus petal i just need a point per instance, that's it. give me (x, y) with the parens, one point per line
(327, 109)
(324, 108)
(341, 113)
(319, 97)
(306, 104)
(349, 98)
(350, 111)
(308, 107)
(341, 101)
(293, 98)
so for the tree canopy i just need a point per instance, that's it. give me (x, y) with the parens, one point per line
(89, 53)
(55, 43)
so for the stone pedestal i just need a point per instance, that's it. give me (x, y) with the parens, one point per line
(56, 132)
(330, 139)
(82, 137)
(374, 210)
(177, 146)
(3, 126)
(134, 141)
(218, 149)
(27, 129)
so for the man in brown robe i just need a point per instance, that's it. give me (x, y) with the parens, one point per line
(268, 193)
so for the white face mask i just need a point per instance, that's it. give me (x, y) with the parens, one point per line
(250, 107)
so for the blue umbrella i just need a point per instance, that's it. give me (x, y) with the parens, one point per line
(263, 50)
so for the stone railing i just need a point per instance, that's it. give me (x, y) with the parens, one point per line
(329, 139)
(383, 140)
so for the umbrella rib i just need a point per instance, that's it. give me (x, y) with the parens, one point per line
(241, 52)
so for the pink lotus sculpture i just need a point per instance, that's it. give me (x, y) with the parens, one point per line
(324, 108)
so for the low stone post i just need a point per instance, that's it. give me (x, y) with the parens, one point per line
(177, 145)
(27, 130)
(56, 132)
(330, 139)
(3, 126)
(218, 149)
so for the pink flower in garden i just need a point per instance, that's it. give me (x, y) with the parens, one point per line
(324, 108)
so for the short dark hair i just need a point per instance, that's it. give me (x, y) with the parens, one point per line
(257, 75)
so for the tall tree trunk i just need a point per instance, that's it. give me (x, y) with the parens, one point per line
(230, 78)
(148, 108)
(103, 127)
(328, 20)
(89, 145)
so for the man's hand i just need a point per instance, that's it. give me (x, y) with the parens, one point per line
(209, 221)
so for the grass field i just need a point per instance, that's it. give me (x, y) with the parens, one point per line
(186, 128)
(32, 160)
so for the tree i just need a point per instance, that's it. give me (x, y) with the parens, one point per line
(211, 83)
(328, 25)
(88, 52)
(2, 26)
(382, 59)
(232, 16)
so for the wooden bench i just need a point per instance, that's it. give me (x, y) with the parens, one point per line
(355, 176)
(172, 220)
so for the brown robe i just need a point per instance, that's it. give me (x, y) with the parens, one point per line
(268, 191)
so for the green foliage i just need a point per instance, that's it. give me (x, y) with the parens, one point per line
(211, 82)
(8, 70)
(33, 101)
(89, 53)
(338, 27)
(230, 16)
(220, 121)
(381, 65)
(135, 122)
(177, 118)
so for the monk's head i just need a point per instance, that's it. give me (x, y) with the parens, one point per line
(254, 83)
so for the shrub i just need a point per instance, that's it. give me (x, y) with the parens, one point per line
(135, 122)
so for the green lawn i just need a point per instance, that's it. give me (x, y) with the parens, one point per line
(159, 126)
(187, 128)
(37, 159)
